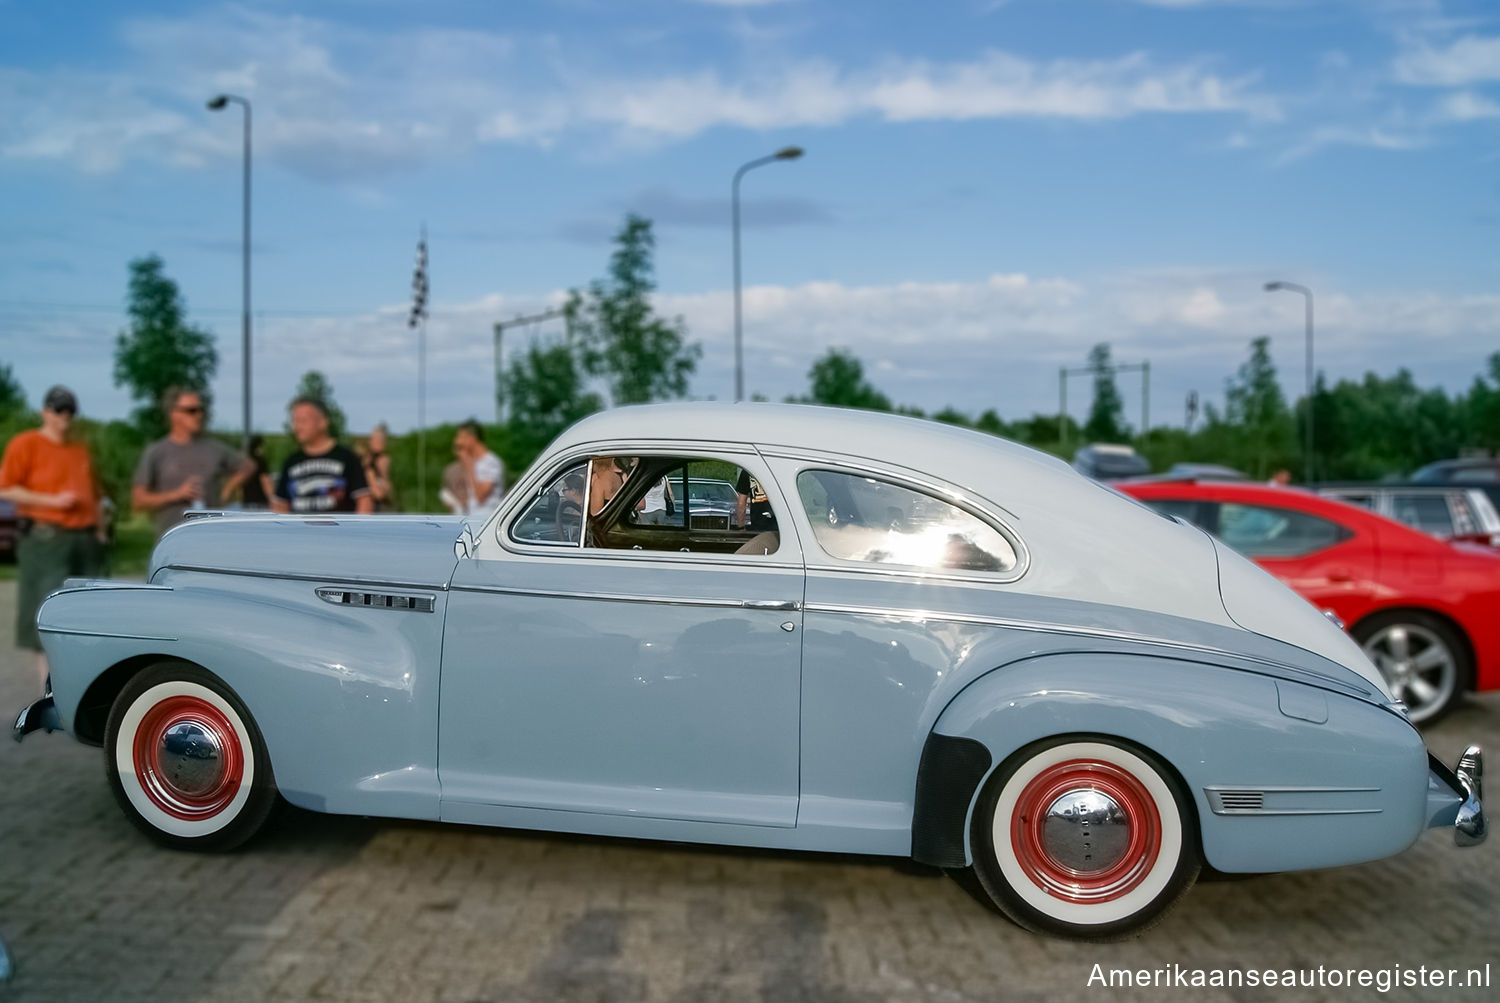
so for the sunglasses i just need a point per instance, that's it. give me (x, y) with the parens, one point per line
(191, 410)
(65, 409)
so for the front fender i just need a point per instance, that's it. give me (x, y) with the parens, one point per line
(346, 698)
(1338, 780)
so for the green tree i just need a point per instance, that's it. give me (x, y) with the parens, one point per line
(1255, 406)
(12, 397)
(545, 387)
(642, 357)
(160, 349)
(838, 379)
(315, 386)
(1106, 421)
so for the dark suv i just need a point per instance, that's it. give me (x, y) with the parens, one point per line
(1477, 473)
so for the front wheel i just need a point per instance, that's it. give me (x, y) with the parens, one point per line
(1084, 837)
(186, 761)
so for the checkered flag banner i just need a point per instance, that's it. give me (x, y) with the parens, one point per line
(419, 285)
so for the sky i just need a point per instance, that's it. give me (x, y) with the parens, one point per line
(989, 188)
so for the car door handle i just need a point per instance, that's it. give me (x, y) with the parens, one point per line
(781, 604)
(1341, 575)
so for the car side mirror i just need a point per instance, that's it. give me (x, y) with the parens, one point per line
(463, 547)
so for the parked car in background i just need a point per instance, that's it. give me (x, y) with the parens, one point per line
(10, 533)
(1424, 610)
(1204, 472)
(1105, 461)
(1446, 512)
(932, 644)
(1480, 473)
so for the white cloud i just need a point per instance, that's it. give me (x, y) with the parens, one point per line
(1467, 60)
(1372, 137)
(996, 342)
(340, 102)
(1465, 106)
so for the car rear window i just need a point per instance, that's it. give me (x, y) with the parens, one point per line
(858, 518)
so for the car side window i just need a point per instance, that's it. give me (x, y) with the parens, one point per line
(555, 515)
(1427, 512)
(859, 518)
(680, 504)
(1263, 531)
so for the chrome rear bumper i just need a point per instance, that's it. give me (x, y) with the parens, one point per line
(1456, 797)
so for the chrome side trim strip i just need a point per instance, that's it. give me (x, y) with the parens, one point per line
(1299, 674)
(288, 576)
(611, 597)
(103, 633)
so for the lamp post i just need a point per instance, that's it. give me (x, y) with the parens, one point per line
(785, 153)
(219, 103)
(1292, 287)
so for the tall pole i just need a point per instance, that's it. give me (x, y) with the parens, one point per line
(218, 104)
(785, 153)
(1270, 287)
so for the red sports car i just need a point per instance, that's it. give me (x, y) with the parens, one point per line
(1426, 611)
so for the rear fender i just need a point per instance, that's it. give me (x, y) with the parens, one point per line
(1360, 773)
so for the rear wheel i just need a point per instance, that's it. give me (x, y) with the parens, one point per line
(186, 761)
(1084, 837)
(1422, 658)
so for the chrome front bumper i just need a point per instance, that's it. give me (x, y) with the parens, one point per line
(1456, 797)
(40, 716)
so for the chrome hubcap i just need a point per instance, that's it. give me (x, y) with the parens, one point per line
(1417, 665)
(191, 758)
(1085, 831)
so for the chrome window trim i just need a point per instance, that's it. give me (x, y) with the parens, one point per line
(1282, 669)
(951, 494)
(689, 450)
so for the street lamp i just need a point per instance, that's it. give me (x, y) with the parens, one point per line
(219, 103)
(1292, 287)
(785, 153)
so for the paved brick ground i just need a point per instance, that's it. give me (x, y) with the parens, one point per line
(326, 908)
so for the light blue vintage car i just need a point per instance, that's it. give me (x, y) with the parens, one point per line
(923, 642)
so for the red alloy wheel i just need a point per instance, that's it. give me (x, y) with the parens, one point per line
(1056, 877)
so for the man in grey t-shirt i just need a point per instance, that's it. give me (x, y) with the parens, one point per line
(186, 469)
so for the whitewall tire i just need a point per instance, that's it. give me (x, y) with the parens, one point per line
(186, 761)
(1084, 836)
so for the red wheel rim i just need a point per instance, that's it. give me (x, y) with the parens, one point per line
(187, 758)
(1057, 878)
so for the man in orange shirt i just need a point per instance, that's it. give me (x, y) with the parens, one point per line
(50, 477)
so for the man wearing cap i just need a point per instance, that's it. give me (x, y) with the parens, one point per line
(322, 475)
(186, 469)
(50, 476)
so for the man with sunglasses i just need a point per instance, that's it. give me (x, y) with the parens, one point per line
(186, 469)
(49, 474)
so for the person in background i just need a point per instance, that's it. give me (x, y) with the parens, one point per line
(752, 509)
(186, 469)
(50, 476)
(1281, 478)
(256, 493)
(455, 490)
(377, 464)
(482, 468)
(322, 475)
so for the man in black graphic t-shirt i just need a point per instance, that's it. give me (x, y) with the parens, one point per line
(322, 476)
